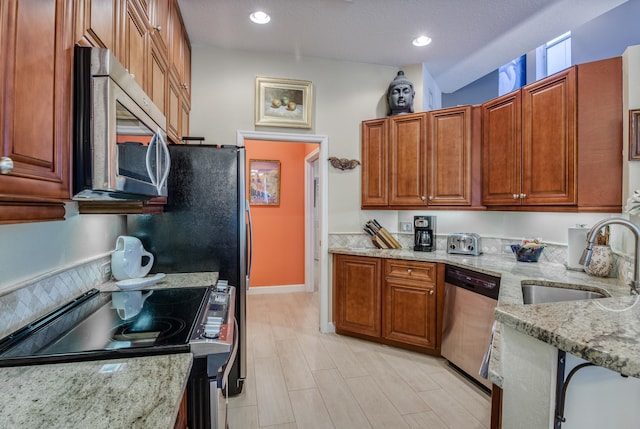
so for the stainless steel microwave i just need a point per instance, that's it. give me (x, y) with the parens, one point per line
(119, 136)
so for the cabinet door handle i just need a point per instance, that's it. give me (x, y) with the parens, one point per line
(409, 270)
(185, 86)
(431, 292)
(523, 196)
(158, 28)
(516, 196)
(6, 165)
(423, 198)
(430, 197)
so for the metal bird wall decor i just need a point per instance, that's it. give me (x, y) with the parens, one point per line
(343, 163)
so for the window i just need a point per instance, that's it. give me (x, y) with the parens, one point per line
(553, 56)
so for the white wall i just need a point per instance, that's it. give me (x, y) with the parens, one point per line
(33, 249)
(345, 94)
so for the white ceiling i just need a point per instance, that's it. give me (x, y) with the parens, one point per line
(470, 37)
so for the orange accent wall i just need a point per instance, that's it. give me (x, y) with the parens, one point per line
(278, 231)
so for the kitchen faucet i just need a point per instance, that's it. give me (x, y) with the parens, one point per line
(591, 237)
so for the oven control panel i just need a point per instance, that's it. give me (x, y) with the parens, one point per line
(215, 331)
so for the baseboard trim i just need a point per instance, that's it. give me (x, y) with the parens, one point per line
(329, 329)
(262, 290)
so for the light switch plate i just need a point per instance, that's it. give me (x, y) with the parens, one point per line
(405, 226)
(105, 271)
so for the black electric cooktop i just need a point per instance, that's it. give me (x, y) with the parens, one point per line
(108, 325)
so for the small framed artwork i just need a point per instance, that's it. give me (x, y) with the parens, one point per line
(634, 135)
(264, 179)
(283, 102)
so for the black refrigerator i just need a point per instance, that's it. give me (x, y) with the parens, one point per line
(205, 227)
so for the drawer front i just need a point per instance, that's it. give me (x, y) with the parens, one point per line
(411, 270)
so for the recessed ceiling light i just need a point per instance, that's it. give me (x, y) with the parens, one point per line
(421, 41)
(260, 17)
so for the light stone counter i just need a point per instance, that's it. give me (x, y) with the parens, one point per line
(604, 331)
(142, 392)
(172, 280)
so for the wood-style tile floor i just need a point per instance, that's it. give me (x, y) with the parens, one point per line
(300, 378)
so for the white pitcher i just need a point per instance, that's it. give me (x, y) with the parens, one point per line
(126, 259)
(128, 304)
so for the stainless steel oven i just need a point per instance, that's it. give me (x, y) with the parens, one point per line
(119, 138)
(200, 320)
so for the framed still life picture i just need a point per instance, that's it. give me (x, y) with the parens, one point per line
(283, 102)
(264, 186)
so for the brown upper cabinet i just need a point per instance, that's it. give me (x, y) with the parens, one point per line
(179, 82)
(408, 160)
(96, 23)
(454, 157)
(36, 92)
(148, 37)
(375, 165)
(159, 18)
(422, 159)
(556, 144)
(134, 51)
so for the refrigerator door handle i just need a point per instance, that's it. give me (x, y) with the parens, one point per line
(250, 247)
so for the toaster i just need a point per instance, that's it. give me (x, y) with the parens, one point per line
(464, 243)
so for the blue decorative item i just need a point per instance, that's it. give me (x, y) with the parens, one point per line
(527, 254)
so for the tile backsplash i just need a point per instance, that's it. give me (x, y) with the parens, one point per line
(30, 300)
(495, 246)
(25, 302)
(555, 253)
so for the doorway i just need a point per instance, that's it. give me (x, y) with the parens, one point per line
(321, 169)
(312, 221)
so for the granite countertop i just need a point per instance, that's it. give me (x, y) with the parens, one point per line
(120, 393)
(604, 331)
(171, 281)
(142, 392)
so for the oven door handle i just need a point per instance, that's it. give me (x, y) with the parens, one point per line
(232, 357)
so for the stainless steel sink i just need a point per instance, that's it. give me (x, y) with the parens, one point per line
(538, 294)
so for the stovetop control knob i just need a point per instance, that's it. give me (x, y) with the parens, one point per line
(211, 332)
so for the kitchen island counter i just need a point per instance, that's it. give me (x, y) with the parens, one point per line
(603, 331)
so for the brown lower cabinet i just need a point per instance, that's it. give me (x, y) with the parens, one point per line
(412, 311)
(181, 419)
(409, 311)
(357, 295)
(496, 407)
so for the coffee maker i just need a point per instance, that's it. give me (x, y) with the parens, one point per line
(424, 228)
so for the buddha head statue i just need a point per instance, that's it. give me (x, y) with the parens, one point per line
(400, 95)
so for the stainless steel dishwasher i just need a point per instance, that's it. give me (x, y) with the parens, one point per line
(469, 302)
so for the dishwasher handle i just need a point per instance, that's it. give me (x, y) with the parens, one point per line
(480, 283)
